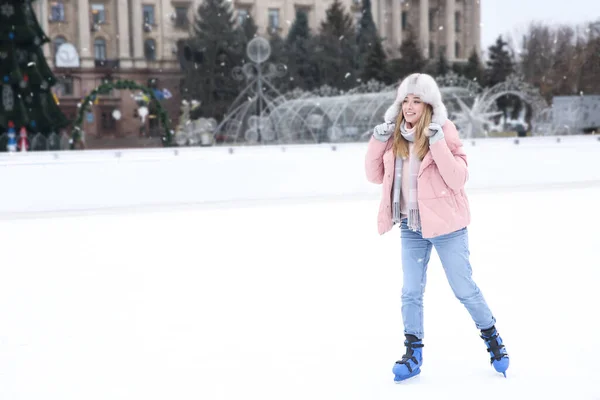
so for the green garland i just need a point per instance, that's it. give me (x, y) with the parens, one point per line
(106, 88)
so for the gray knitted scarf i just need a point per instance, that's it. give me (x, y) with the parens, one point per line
(414, 219)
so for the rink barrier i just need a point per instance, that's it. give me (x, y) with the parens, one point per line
(99, 179)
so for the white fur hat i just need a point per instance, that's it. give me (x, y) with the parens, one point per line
(426, 88)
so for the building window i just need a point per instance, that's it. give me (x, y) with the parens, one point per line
(457, 26)
(56, 43)
(273, 19)
(148, 13)
(150, 49)
(242, 15)
(457, 50)
(404, 20)
(57, 11)
(98, 13)
(181, 17)
(100, 49)
(431, 20)
(107, 122)
(64, 86)
(431, 50)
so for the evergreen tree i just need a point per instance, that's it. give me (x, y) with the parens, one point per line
(411, 58)
(302, 69)
(459, 68)
(277, 49)
(249, 27)
(335, 50)
(278, 56)
(474, 69)
(441, 66)
(372, 58)
(247, 31)
(217, 47)
(499, 66)
(375, 66)
(28, 108)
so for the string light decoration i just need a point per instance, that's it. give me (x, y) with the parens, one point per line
(86, 105)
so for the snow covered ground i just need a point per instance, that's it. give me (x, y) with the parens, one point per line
(294, 299)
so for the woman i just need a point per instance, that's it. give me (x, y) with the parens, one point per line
(418, 158)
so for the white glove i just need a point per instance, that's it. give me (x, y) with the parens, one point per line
(383, 132)
(434, 133)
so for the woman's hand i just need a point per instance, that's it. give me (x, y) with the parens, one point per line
(383, 132)
(434, 133)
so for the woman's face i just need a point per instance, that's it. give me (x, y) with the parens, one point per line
(412, 109)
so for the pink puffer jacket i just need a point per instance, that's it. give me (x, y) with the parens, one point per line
(443, 203)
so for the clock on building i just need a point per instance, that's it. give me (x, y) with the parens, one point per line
(67, 56)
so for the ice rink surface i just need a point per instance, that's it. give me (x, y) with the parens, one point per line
(294, 300)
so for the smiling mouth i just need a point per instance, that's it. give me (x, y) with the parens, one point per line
(409, 113)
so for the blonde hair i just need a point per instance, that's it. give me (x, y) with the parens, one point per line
(421, 144)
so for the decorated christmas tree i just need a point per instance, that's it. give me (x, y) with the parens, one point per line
(28, 105)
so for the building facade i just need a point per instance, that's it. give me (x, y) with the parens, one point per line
(452, 26)
(114, 39)
(137, 40)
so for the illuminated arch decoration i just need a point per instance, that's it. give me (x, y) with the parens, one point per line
(105, 88)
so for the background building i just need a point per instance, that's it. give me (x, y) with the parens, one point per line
(114, 40)
(453, 26)
(135, 39)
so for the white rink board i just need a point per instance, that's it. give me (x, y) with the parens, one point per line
(94, 179)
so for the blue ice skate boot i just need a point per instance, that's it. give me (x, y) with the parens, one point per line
(495, 346)
(411, 362)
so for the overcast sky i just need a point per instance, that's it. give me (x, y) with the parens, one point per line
(510, 16)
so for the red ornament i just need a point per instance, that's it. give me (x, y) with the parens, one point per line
(23, 144)
(11, 124)
(26, 78)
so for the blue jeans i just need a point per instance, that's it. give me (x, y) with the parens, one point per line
(453, 250)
